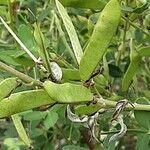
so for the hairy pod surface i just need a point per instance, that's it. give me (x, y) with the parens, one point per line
(23, 101)
(103, 32)
(67, 92)
(7, 86)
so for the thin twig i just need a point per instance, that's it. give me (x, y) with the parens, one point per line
(135, 26)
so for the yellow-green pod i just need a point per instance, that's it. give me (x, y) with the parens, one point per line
(7, 86)
(131, 71)
(22, 101)
(67, 92)
(20, 129)
(103, 32)
(94, 4)
(135, 59)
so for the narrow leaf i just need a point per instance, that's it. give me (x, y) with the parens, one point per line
(71, 31)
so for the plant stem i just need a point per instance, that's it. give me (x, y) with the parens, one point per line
(123, 44)
(129, 130)
(20, 75)
(135, 26)
(112, 104)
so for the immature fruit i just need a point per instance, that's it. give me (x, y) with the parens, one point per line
(20, 129)
(67, 92)
(103, 32)
(70, 74)
(135, 59)
(23, 101)
(7, 86)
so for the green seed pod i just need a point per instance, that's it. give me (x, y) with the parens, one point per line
(94, 4)
(147, 21)
(135, 59)
(22, 101)
(20, 129)
(103, 32)
(67, 92)
(131, 71)
(7, 86)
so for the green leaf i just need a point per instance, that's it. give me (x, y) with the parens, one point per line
(7, 56)
(24, 61)
(67, 92)
(141, 8)
(26, 36)
(71, 31)
(3, 11)
(143, 142)
(4, 2)
(35, 115)
(147, 94)
(50, 119)
(21, 130)
(115, 71)
(144, 51)
(73, 147)
(36, 132)
(13, 144)
(142, 117)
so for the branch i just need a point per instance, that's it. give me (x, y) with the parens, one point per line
(20, 75)
(112, 104)
(135, 26)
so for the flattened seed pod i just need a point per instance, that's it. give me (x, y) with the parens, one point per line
(103, 32)
(67, 92)
(7, 86)
(22, 101)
